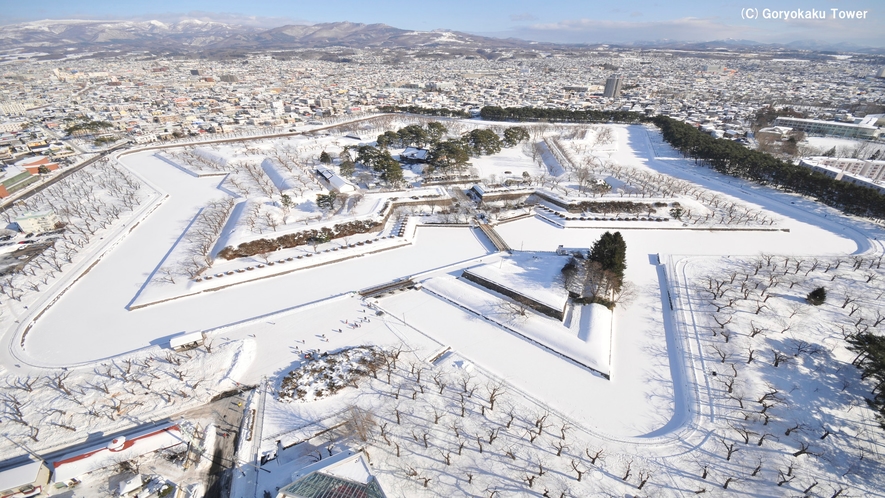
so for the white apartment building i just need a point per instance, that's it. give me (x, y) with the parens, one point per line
(9, 127)
(844, 173)
(874, 170)
(43, 221)
(829, 128)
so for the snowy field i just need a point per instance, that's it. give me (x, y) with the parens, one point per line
(509, 163)
(498, 411)
(844, 147)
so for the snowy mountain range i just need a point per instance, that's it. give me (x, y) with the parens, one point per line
(52, 34)
(192, 35)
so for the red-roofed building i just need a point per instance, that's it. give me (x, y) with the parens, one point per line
(33, 164)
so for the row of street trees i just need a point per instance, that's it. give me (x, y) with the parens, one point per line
(495, 113)
(733, 159)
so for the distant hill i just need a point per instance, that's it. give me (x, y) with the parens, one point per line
(191, 36)
(356, 35)
(194, 35)
(109, 35)
(750, 45)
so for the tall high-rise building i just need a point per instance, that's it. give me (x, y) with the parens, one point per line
(612, 87)
(881, 73)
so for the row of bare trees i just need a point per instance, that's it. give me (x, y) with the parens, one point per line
(199, 241)
(88, 201)
(49, 409)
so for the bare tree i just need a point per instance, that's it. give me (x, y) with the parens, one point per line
(627, 469)
(644, 476)
(784, 477)
(723, 355)
(578, 470)
(494, 392)
(58, 382)
(803, 449)
(779, 358)
(744, 432)
(598, 455)
(729, 449)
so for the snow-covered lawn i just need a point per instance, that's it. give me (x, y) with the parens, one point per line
(510, 163)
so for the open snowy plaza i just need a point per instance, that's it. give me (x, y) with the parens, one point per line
(430, 324)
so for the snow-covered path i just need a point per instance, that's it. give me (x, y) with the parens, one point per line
(807, 217)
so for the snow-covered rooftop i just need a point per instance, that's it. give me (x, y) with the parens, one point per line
(20, 475)
(119, 449)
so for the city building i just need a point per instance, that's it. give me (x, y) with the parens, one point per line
(869, 174)
(612, 87)
(830, 128)
(15, 178)
(10, 126)
(34, 165)
(27, 478)
(774, 133)
(68, 468)
(43, 221)
(874, 170)
(342, 475)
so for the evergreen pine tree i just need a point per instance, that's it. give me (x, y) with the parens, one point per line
(610, 251)
(817, 297)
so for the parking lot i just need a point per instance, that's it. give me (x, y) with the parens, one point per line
(25, 250)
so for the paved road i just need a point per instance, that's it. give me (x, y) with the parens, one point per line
(228, 417)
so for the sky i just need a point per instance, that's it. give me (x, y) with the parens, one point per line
(576, 21)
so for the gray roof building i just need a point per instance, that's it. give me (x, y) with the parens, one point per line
(344, 475)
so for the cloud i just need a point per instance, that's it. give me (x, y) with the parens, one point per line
(694, 29)
(591, 30)
(523, 17)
